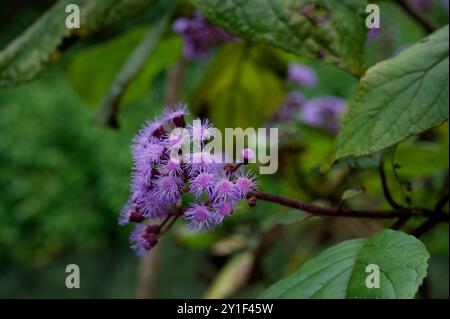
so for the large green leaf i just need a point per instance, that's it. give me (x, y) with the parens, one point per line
(234, 83)
(340, 272)
(396, 99)
(26, 56)
(331, 30)
(105, 61)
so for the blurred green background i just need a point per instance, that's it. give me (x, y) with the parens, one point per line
(64, 180)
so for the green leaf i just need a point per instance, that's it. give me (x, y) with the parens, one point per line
(26, 56)
(340, 271)
(232, 277)
(327, 29)
(233, 82)
(106, 60)
(396, 99)
(352, 193)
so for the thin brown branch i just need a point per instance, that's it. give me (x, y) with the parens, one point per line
(336, 212)
(386, 192)
(441, 203)
(427, 24)
(425, 227)
(402, 221)
(434, 219)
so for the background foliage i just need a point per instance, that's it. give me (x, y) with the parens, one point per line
(63, 180)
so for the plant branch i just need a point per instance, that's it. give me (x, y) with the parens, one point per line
(427, 24)
(402, 221)
(336, 212)
(441, 203)
(434, 220)
(426, 226)
(386, 192)
(107, 111)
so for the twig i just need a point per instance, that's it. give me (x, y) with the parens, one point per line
(336, 212)
(402, 221)
(426, 23)
(107, 111)
(386, 192)
(148, 274)
(175, 77)
(426, 226)
(434, 220)
(171, 223)
(441, 203)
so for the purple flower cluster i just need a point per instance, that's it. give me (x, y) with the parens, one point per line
(323, 112)
(302, 75)
(288, 110)
(199, 36)
(163, 174)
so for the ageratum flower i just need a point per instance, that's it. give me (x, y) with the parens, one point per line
(201, 131)
(203, 183)
(143, 238)
(161, 180)
(223, 210)
(245, 182)
(199, 217)
(225, 190)
(175, 114)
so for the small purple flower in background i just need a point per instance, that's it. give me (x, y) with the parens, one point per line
(302, 75)
(160, 181)
(323, 112)
(199, 36)
(445, 3)
(373, 34)
(287, 111)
